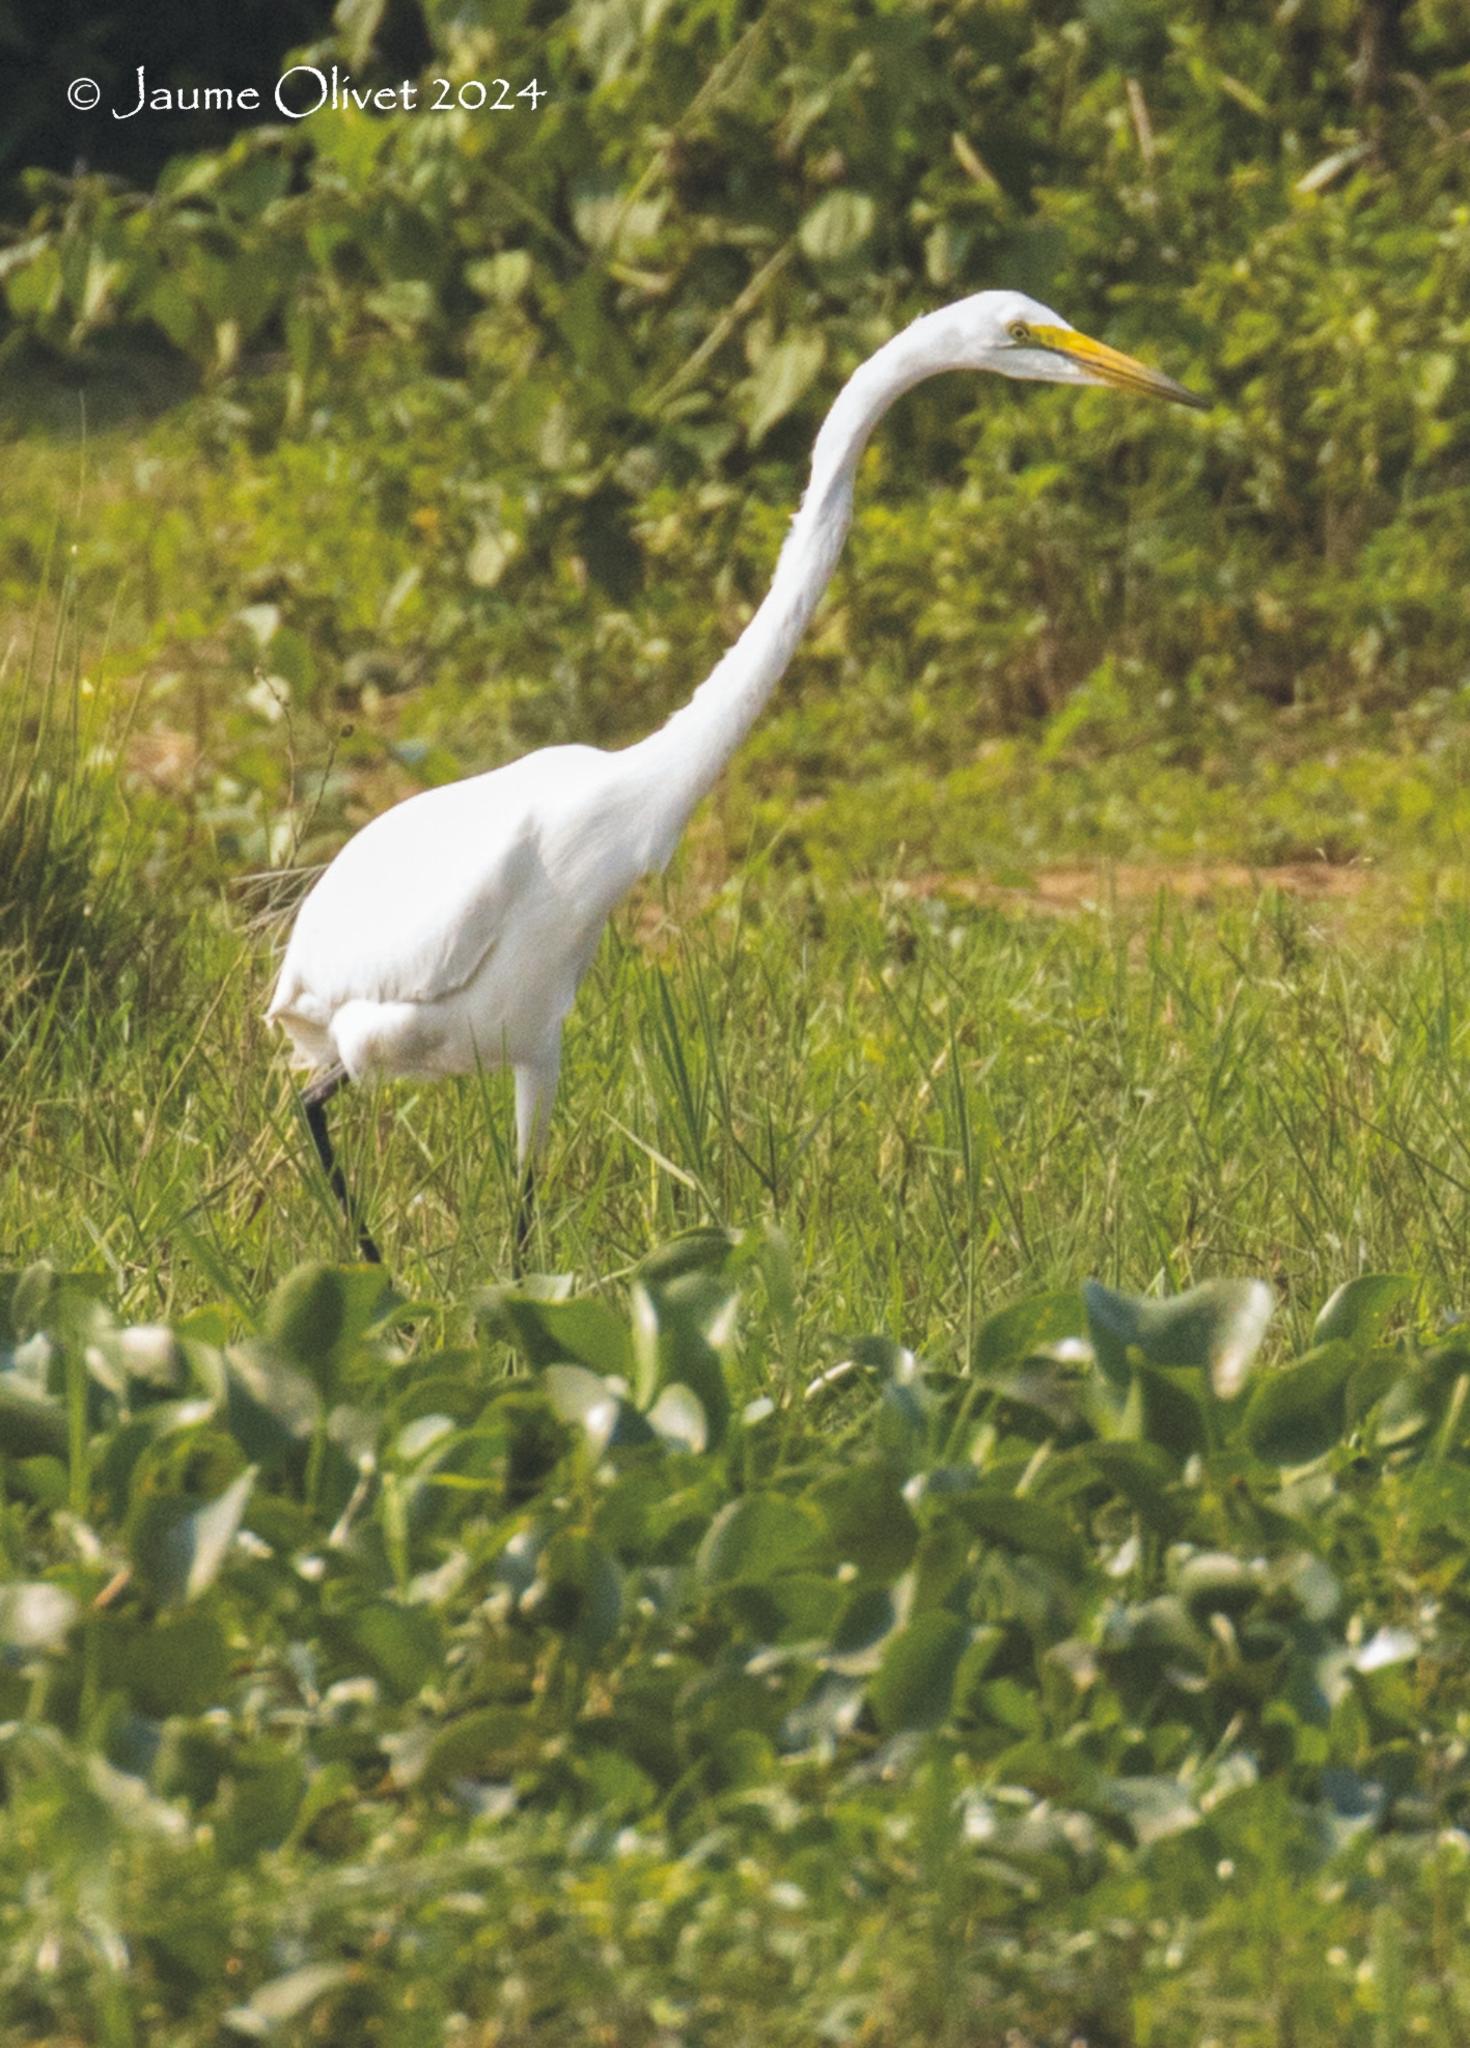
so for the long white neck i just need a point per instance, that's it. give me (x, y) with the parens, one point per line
(680, 762)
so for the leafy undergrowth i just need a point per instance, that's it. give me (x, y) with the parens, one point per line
(593, 1681)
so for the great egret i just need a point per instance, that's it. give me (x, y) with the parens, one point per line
(452, 931)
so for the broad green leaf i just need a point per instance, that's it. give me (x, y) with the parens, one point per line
(356, 22)
(32, 1422)
(678, 1419)
(1020, 1523)
(780, 381)
(178, 1546)
(837, 226)
(284, 2000)
(1217, 1582)
(1216, 1328)
(1041, 1326)
(489, 1742)
(868, 1518)
(318, 1316)
(1357, 1312)
(683, 1332)
(175, 1663)
(916, 1677)
(1298, 1412)
(758, 1536)
(577, 1592)
(581, 1331)
(400, 1644)
(1153, 1807)
(585, 1400)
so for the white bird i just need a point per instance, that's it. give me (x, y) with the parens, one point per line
(451, 932)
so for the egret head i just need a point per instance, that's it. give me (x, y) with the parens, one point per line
(1018, 337)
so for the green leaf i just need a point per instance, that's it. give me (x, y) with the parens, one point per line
(585, 1400)
(1216, 1328)
(177, 1663)
(758, 1536)
(683, 1331)
(780, 381)
(178, 1547)
(1357, 1312)
(916, 1678)
(578, 1592)
(318, 1316)
(399, 1644)
(1298, 1412)
(1034, 1328)
(1019, 1523)
(356, 22)
(285, 1999)
(581, 1331)
(868, 1518)
(836, 228)
(490, 1742)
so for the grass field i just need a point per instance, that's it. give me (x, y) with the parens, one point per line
(811, 1617)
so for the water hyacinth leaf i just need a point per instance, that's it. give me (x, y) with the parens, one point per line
(270, 1407)
(1216, 1328)
(863, 1628)
(869, 1519)
(578, 1592)
(1052, 1326)
(178, 1546)
(32, 1421)
(587, 1402)
(317, 1317)
(1216, 1582)
(678, 1419)
(1153, 1808)
(399, 1644)
(489, 1742)
(177, 1663)
(706, 1250)
(1358, 1311)
(683, 1332)
(580, 1331)
(916, 1677)
(758, 1536)
(1020, 1523)
(1161, 1409)
(1299, 1412)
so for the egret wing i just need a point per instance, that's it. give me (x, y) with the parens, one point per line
(414, 904)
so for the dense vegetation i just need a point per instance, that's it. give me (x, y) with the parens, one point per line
(646, 1694)
(845, 1622)
(506, 410)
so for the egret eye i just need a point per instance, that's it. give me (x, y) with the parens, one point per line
(1020, 331)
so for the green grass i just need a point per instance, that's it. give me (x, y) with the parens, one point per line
(940, 1106)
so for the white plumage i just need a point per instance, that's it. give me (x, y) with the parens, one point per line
(451, 932)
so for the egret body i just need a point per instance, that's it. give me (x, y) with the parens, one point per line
(452, 931)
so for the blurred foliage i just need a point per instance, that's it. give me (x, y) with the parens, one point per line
(588, 1675)
(519, 400)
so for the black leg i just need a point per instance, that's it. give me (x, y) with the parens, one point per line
(525, 1218)
(314, 1102)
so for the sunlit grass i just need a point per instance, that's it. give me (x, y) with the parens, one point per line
(940, 1106)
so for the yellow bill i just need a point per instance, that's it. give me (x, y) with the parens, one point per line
(1111, 366)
